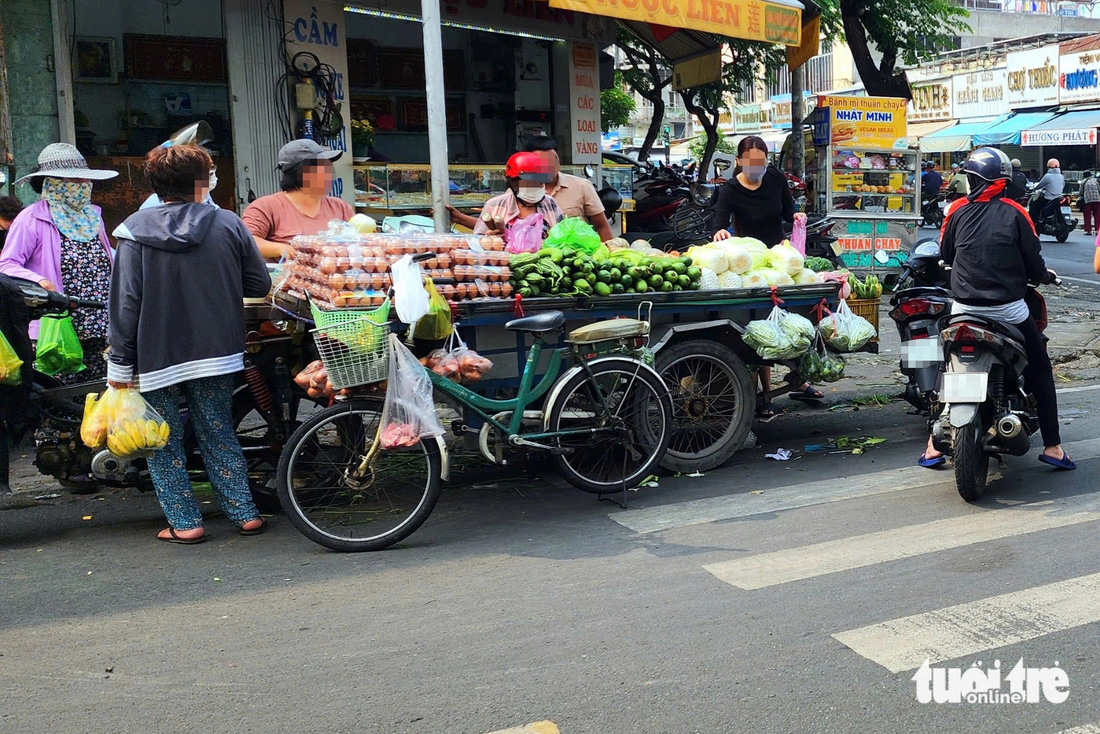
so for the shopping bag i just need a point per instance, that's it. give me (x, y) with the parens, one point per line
(818, 365)
(409, 297)
(525, 235)
(128, 424)
(798, 235)
(844, 331)
(59, 350)
(10, 364)
(457, 362)
(408, 413)
(436, 324)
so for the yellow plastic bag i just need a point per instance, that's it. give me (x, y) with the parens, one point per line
(93, 429)
(124, 422)
(437, 323)
(10, 365)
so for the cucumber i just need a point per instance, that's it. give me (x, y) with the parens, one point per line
(603, 289)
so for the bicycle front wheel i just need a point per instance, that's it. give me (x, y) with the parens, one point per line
(623, 417)
(338, 499)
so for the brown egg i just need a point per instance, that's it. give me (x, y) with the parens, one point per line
(343, 263)
(341, 251)
(337, 301)
(376, 281)
(444, 261)
(337, 280)
(327, 265)
(494, 289)
(448, 291)
(460, 291)
(328, 251)
(506, 289)
(365, 279)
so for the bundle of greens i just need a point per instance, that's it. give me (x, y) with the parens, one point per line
(780, 336)
(844, 331)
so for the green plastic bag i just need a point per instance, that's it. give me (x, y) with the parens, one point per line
(436, 324)
(59, 351)
(575, 234)
(10, 364)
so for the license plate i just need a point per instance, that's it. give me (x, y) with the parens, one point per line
(921, 353)
(965, 387)
(1066, 211)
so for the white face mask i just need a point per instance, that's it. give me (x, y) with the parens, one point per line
(531, 194)
(213, 179)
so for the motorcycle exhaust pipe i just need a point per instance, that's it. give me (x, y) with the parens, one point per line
(1009, 426)
(1010, 436)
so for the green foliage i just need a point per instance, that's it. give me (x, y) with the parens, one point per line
(615, 105)
(698, 145)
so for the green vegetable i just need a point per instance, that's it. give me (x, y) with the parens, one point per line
(638, 273)
(670, 275)
(616, 274)
(603, 289)
(683, 281)
(678, 267)
(534, 279)
(525, 292)
(818, 264)
(641, 286)
(627, 281)
(686, 260)
(694, 273)
(656, 280)
(534, 290)
(582, 285)
(666, 287)
(604, 276)
(526, 258)
(617, 288)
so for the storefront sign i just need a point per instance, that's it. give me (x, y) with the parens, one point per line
(866, 122)
(752, 118)
(1079, 80)
(781, 109)
(318, 28)
(860, 240)
(584, 108)
(752, 20)
(980, 93)
(1033, 78)
(931, 99)
(1035, 138)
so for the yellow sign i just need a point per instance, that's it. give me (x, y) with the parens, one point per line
(698, 71)
(752, 20)
(866, 122)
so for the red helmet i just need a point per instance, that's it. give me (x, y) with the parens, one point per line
(528, 167)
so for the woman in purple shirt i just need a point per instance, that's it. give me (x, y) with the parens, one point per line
(60, 243)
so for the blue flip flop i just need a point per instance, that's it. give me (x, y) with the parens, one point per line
(935, 463)
(1063, 464)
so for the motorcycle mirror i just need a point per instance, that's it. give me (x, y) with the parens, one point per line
(589, 171)
(882, 257)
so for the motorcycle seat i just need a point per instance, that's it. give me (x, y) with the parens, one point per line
(1007, 330)
(540, 323)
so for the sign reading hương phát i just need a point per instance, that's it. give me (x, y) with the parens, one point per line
(866, 122)
(1035, 138)
(752, 20)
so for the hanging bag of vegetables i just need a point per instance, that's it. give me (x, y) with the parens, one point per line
(818, 365)
(844, 331)
(782, 335)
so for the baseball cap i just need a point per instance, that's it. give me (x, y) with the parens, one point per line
(296, 151)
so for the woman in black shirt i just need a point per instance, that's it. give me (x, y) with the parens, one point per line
(756, 202)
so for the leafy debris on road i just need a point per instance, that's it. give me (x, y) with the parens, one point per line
(846, 445)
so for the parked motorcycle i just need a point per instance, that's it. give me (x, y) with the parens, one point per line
(688, 224)
(987, 407)
(932, 211)
(1057, 218)
(920, 304)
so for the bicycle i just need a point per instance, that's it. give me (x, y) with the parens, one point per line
(605, 421)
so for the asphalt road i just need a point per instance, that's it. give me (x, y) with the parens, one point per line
(765, 597)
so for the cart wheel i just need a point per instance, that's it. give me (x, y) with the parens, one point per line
(713, 399)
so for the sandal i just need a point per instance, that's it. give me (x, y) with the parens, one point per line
(767, 410)
(183, 541)
(806, 393)
(1063, 464)
(933, 463)
(256, 530)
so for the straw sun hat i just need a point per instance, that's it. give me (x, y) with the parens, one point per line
(61, 160)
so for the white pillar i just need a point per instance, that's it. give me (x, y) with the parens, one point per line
(437, 113)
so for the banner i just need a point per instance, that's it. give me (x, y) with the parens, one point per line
(1079, 80)
(866, 122)
(584, 107)
(931, 96)
(1035, 138)
(752, 118)
(752, 20)
(1033, 78)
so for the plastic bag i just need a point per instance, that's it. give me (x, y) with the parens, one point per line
(798, 235)
(58, 351)
(409, 297)
(818, 365)
(575, 234)
(10, 365)
(408, 414)
(780, 336)
(121, 420)
(837, 276)
(436, 324)
(844, 331)
(524, 235)
(457, 362)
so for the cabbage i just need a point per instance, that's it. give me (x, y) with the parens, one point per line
(786, 258)
(708, 281)
(805, 276)
(798, 328)
(706, 256)
(729, 280)
(749, 243)
(739, 258)
(780, 336)
(775, 277)
(753, 280)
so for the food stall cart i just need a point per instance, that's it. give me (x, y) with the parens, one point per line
(868, 179)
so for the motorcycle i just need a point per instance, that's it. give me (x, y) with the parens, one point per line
(688, 224)
(1056, 219)
(265, 407)
(932, 211)
(657, 196)
(987, 408)
(920, 304)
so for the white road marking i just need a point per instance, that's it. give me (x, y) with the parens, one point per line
(795, 564)
(1079, 388)
(968, 629)
(539, 727)
(1084, 729)
(791, 497)
(1080, 280)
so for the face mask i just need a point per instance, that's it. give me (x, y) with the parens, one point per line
(213, 178)
(531, 194)
(754, 173)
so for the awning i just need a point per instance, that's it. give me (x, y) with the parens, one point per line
(773, 138)
(673, 47)
(1008, 132)
(957, 138)
(918, 130)
(1068, 128)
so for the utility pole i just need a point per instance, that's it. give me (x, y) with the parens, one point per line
(798, 145)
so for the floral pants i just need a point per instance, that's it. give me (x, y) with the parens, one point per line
(209, 401)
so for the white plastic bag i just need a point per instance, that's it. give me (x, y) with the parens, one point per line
(782, 335)
(410, 297)
(408, 414)
(844, 331)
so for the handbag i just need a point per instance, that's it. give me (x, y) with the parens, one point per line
(58, 351)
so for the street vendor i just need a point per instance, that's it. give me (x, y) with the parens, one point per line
(303, 206)
(525, 176)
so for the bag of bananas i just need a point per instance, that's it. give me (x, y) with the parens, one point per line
(124, 422)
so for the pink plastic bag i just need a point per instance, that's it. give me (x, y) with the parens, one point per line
(524, 235)
(798, 236)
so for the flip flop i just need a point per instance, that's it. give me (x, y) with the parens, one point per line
(183, 541)
(767, 410)
(1063, 464)
(935, 463)
(254, 531)
(807, 394)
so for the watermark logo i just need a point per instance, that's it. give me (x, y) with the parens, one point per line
(979, 684)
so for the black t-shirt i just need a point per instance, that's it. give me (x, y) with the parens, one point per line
(758, 213)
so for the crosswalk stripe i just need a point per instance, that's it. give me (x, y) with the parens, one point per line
(966, 629)
(538, 727)
(790, 497)
(1085, 729)
(780, 567)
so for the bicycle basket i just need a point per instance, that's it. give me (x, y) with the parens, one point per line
(322, 318)
(355, 352)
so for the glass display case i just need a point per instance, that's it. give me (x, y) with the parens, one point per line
(868, 182)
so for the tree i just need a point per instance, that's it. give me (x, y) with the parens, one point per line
(649, 76)
(615, 105)
(698, 146)
(903, 31)
(742, 64)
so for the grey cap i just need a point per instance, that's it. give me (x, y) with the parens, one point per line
(296, 151)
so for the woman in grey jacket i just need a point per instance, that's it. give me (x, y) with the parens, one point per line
(177, 327)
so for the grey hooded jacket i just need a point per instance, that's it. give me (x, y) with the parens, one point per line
(176, 313)
(1052, 184)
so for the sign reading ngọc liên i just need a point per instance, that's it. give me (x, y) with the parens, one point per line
(866, 122)
(584, 114)
(1036, 138)
(1032, 78)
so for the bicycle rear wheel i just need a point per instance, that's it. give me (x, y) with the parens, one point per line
(334, 501)
(621, 445)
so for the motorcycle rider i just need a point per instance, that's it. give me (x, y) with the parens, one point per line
(930, 181)
(1018, 188)
(1052, 186)
(994, 252)
(959, 185)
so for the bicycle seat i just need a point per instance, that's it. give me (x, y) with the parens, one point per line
(540, 323)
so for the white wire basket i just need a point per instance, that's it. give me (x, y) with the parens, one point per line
(354, 352)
